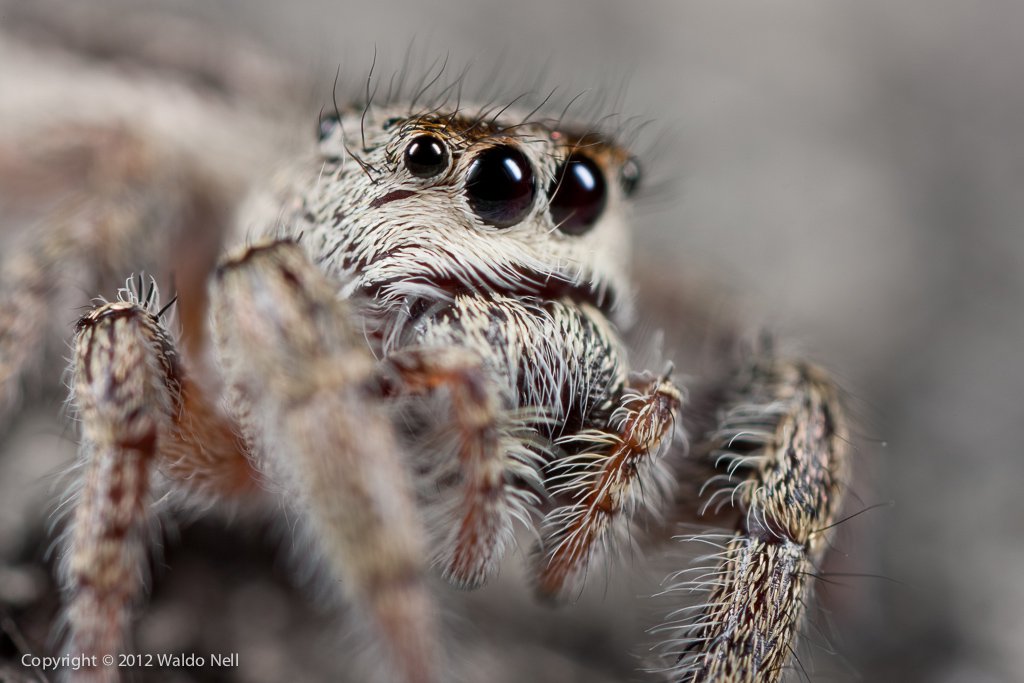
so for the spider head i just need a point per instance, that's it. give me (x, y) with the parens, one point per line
(439, 203)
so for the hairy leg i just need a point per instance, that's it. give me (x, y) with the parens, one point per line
(139, 412)
(493, 461)
(302, 379)
(118, 206)
(620, 471)
(781, 443)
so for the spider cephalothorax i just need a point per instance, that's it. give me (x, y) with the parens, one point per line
(439, 203)
(416, 346)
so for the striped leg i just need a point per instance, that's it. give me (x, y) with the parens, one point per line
(138, 412)
(782, 435)
(621, 471)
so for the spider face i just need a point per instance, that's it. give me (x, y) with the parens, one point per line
(442, 203)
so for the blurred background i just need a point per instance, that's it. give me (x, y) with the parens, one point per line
(852, 174)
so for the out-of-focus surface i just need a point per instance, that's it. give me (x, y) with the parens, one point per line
(851, 171)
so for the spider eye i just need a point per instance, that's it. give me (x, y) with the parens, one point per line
(326, 125)
(630, 176)
(578, 194)
(500, 186)
(426, 156)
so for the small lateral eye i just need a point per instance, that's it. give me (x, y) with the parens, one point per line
(578, 194)
(326, 125)
(630, 176)
(500, 186)
(426, 156)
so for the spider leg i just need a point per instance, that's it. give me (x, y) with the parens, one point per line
(782, 458)
(302, 379)
(116, 205)
(620, 470)
(138, 412)
(488, 461)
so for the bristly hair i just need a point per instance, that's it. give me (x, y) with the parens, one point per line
(431, 86)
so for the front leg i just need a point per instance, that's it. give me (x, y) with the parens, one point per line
(140, 412)
(302, 379)
(782, 433)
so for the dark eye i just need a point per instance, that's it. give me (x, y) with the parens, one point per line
(326, 125)
(578, 194)
(426, 156)
(500, 187)
(630, 176)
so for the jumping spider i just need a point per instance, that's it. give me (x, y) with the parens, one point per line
(414, 339)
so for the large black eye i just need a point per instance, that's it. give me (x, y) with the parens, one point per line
(500, 187)
(578, 194)
(426, 156)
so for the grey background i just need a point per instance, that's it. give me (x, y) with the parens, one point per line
(851, 172)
